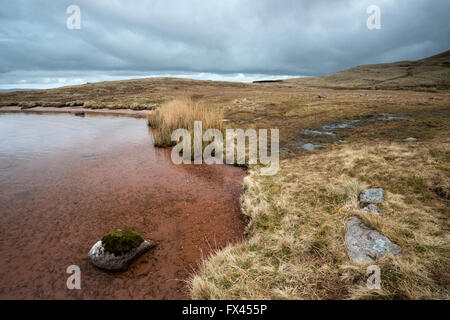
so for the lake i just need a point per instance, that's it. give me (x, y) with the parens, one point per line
(66, 181)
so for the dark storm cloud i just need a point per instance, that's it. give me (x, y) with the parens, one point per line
(132, 38)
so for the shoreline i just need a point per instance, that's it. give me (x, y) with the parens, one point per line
(104, 111)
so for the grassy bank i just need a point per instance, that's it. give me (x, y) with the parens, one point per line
(296, 247)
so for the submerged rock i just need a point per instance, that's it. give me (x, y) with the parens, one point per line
(80, 113)
(88, 155)
(374, 195)
(365, 244)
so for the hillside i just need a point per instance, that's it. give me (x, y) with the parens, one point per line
(429, 73)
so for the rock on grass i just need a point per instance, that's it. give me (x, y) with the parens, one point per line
(374, 195)
(372, 208)
(365, 244)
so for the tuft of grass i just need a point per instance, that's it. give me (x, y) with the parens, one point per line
(120, 242)
(181, 113)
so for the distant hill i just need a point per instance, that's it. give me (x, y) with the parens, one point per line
(432, 72)
(428, 74)
(15, 89)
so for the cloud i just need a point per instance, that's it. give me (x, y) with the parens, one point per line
(197, 37)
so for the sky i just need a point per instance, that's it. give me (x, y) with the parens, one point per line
(228, 40)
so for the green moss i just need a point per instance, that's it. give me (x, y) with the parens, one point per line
(121, 241)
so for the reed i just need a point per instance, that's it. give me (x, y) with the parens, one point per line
(181, 113)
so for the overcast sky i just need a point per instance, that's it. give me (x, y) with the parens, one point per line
(209, 39)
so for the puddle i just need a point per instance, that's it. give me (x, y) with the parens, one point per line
(65, 181)
(343, 125)
(312, 139)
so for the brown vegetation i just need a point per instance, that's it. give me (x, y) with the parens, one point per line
(296, 248)
(430, 74)
(181, 113)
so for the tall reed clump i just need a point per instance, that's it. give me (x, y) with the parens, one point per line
(181, 113)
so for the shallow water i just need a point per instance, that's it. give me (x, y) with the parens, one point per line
(65, 181)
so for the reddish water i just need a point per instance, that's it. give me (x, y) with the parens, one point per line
(65, 181)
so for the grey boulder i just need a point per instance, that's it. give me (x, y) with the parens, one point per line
(27, 107)
(365, 244)
(372, 208)
(374, 195)
(109, 261)
(308, 146)
(321, 96)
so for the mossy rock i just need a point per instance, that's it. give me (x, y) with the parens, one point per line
(120, 242)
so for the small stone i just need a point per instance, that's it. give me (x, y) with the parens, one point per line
(365, 244)
(321, 96)
(372, 208)
(374, 195)
(88, 155)
(364, 94)
(410, 139)
(308, 146)
(285, 150)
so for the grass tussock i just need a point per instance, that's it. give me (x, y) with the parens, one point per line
(181, 113)
(296, 234)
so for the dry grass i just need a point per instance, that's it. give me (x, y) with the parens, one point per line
(296, 247)
(181, 113)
